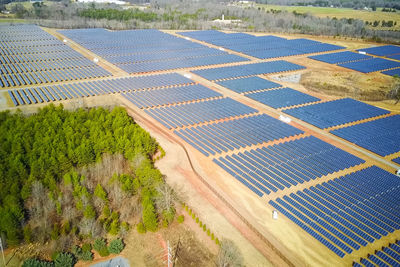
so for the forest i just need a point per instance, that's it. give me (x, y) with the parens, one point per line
(199, 15)
(71, 179)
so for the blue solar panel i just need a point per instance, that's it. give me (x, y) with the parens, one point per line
(397, 160)
(193, 113)
(228, 135)
(379, 136)
(337, 112)
(247, 70)
(249, 84)
(395, 72)
(284, 97)
(349, 210)
(396, 57)
(340, 57)
(382, 50)
(371, 65)
(287, 164)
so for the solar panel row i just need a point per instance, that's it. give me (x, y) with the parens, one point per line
(249, 84)
(340, 57)
(100, 87)
(379, 136)
(229, 135)
(371, 65)
(215, 74)
(282, 97)
(151, 98)
(139, 51)
(194, 113)
(336, 112)
(262, 47)
(387, 256)
(287, 164)
(350, 211)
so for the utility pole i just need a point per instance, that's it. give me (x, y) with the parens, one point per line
(2, 252)
(170, 263)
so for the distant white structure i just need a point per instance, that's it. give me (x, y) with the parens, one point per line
(362, 52)
(117, 2)
(226, 21)
(398, 172)
(65, 40)
(95, 60)
(188, 75)
(275, 215)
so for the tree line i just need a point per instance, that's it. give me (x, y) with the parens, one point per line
(65, 174)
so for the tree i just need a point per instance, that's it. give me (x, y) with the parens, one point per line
(116, 246)
(395, 92)
(229, 255)
(100, 193)
(64, 259)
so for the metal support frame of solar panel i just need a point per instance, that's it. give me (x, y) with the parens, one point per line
(253, 69)
(22, 63)
(380, 136)
(249, 84)
(386, 256)
(336, 112)
(340, 57)
(99, 87)
(160, 97)
(371, 65)
(234, 134)
(350, 211)
(282, 97)
(273, 168)
(198, 112)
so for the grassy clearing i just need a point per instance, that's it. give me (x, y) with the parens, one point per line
(342, 13)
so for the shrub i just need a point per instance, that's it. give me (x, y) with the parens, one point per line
(186, 208)
(114, 227)
(193, 216)
(212, 236)
(100, 246)
(116, 246)
(208, 232)
(217, 241)
(37, 263)
(204, 227)
(197, 220)
(64, 259)
(140, 228)
(180, 218)
(55, 233)
(87, 247)
(201, 224)
(190, 211)
(27, 234)
(86, 256)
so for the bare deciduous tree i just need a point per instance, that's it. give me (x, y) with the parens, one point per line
(229, 255)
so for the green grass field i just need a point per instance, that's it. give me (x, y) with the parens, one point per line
(339, 13)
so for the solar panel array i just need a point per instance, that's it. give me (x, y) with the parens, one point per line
(395, 72)
(94, 88)
(336, 112)
(194, 113)
(141, 51)
(347, 212)
(151, 98)
(249, 84)
(397, 160)
(371, 65)
(283, 165)
(229, 135)
(30, 56)
(262, 47)
(282, 97)
(387, 256)
(340, 57)
(379, 136)
(384, 50)
(216, 74)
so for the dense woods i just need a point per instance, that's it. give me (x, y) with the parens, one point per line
(68, 177)
(197, 15)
